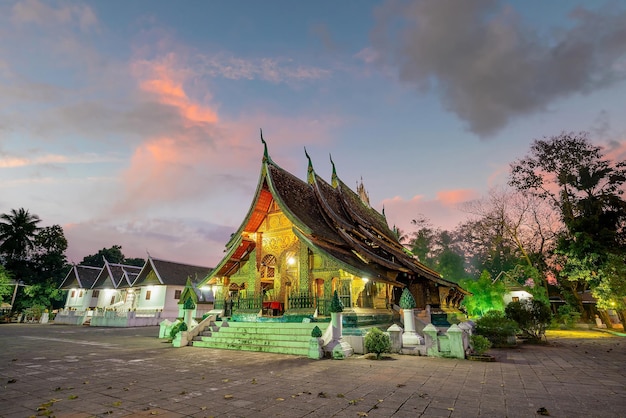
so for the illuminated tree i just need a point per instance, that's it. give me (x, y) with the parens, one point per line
(486, 295)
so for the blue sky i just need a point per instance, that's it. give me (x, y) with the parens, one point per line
(137, 123)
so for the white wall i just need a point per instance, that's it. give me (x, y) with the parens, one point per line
(521, 294)
(80, 300)
(157, 297)
(104, 299)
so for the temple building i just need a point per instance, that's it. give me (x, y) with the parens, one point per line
(303, 240)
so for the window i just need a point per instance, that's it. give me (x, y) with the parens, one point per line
(112, 300)
(267, 267)
(73, 293)
(148, 294)
(80, 294)
(177, 294)
(515, 299)
(95, 294)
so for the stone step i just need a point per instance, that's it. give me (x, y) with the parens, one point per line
(285, 338)
(291, 331)
(247, 339)
(298, 351)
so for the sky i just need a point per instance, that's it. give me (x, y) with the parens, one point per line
(137, 123)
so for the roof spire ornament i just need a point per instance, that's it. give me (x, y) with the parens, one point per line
(334, 178)
(310, 172)
(266, 156)
(360, 189)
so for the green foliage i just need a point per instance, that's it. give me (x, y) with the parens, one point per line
(44, 294)
(17, 234)
(438, 249)
(485, 295)
(567, 316)
(494, 326)
(139, 262)
(335, 304)
(316, 332)
(377, 342)
(181, 326)
(407, 301)
(611, 288)
(6, 290)
(113, 255)
(34, 312)
(532, 317)
(479, 344)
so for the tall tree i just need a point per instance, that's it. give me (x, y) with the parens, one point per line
(486, 295)
(49, 254)
(17, 240)
(524, 225)
(438, 249)
(113, 255)
(17, 233)
(49, 269)
(586, 188)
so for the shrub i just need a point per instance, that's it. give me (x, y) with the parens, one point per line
(34, 312)
(377, 342)
(479, 344)
(496, 328)
(181, 326)
(532, 317)
(567, 315)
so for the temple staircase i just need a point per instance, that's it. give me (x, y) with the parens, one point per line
(268, 337)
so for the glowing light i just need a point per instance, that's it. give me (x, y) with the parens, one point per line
(291, 261)
(365, 279)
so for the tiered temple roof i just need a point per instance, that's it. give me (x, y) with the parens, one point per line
(330, 218)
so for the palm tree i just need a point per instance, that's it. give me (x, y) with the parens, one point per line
(17, 233)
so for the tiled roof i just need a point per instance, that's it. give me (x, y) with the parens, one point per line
(170, 273)
(79, 276)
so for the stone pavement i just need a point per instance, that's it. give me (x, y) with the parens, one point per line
(69, 371)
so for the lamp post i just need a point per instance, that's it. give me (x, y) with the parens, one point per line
(17, 283)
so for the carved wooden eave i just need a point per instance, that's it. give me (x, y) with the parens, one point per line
(341, 257)
(238, 252)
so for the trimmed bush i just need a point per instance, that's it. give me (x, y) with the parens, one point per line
(377, 342)
(496, 328)
(479, 344)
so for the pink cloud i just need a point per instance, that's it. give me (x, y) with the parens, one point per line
(616, 151)
(453, 197)
(203, 154)
(441, 211)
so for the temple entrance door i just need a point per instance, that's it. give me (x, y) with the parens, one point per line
(319, 288)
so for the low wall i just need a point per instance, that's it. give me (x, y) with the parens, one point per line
(71, 317)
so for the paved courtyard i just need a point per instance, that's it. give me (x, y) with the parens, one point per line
(69, 371)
